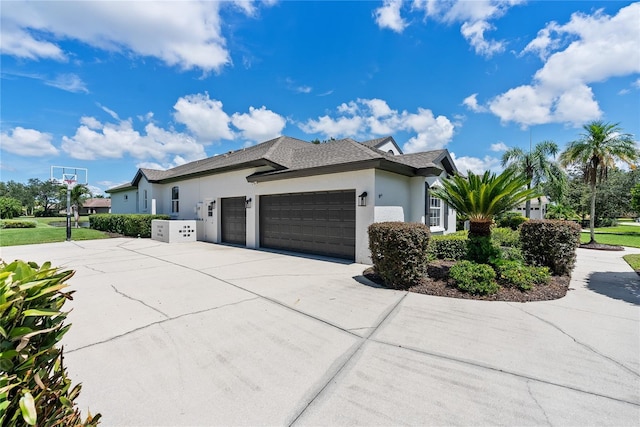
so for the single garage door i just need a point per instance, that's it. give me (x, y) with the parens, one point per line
(234, 220)
(321, 223)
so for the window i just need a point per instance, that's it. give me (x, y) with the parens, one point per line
(144, 200)
(435, 212)
(126, 197)
(175, 200)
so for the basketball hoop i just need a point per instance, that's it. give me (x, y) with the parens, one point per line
(69, 176)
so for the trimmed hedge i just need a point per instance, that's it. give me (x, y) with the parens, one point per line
(511, 220)
(550, 243)
(449, 246)
(134, 225)
(399, 252)
(17, 224)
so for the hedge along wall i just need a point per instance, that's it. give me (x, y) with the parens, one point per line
(134, 225)
(399, 252)
(550, 243)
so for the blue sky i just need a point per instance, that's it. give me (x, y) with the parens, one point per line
(114, 86)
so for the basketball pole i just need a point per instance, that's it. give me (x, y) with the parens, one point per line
(68, 212)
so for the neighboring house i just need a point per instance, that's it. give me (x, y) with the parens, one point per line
(538, 208)
(96, 206)
(292, 195)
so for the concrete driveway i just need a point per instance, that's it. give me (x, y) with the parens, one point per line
(203, 334)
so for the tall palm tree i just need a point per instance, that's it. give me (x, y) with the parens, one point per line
(599, 147)
(537, 167)
(481, 197)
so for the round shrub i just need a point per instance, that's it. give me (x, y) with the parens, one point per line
(474, 278)
(504, 236)
(399, 252)
(511, 220)
(550, 243)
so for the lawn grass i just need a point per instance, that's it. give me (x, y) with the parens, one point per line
(633, 260)
(621, 235)
(45, 233)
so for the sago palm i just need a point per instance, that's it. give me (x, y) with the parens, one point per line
(537, 166)
(481, 197)
(596, 152)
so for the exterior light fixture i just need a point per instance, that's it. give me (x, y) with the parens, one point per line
(362, 199)
(247, 203)
(213, 204)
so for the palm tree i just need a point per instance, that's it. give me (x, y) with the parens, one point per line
(79, 195)
(599, 147)
(537, 167)
(481, 197)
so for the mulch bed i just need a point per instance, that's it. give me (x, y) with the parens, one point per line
(601, 247)
(437, 283)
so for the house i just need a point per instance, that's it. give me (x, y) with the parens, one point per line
(96, 206)
(538, 208)
(290, 194)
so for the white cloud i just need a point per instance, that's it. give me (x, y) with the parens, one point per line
(69, 82)
(475, 17)
(183, 34)
(259, 124)
(499, 146)
(28, 142)
(388, 16)
(471, 102)
(594, 48)
(95, 140)
(304, 89)
(204, 117)
(374, 117)
(636, 84)
(475, 164)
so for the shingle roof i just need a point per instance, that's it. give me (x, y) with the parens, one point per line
(97, 203)
(286, 155)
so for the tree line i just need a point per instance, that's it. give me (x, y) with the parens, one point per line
(39, 198)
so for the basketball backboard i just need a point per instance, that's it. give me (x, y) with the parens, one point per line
(69, 176)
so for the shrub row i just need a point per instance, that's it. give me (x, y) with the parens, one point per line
(134, 225)
(550, 243)
(17, 224)
(449, 246)
(399, 252)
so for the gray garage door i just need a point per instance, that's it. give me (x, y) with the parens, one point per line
(321, 223)
(234, 220)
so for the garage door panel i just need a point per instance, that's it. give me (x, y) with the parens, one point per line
(316, 222)
(234, 220)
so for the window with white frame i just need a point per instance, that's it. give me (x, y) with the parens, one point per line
(435, 212)
(175, 200)
(144, 200)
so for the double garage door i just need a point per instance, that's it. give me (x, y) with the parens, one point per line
(322, 223)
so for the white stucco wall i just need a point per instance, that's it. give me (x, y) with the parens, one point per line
(392, 197)
(123, 202)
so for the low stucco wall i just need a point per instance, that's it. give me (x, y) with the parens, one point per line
(173, 231)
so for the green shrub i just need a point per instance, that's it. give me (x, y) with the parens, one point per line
(34, 386)
(505, 236)
(134, 225)
(606, 222)
(474, 278)
(550, 243)
(10, 207)
(399, 252)
(481, 249)
(450, 246)
(511, 254)
(18, 224)
(514, 273)
(511, 220)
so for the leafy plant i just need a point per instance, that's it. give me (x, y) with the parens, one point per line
(511, 220)
(18, 224)
(474, 278)
(524, 277)
(134, 225)
(449, 246)
(399, 252)
(10, 207)
(505, 237)
(34, 387)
